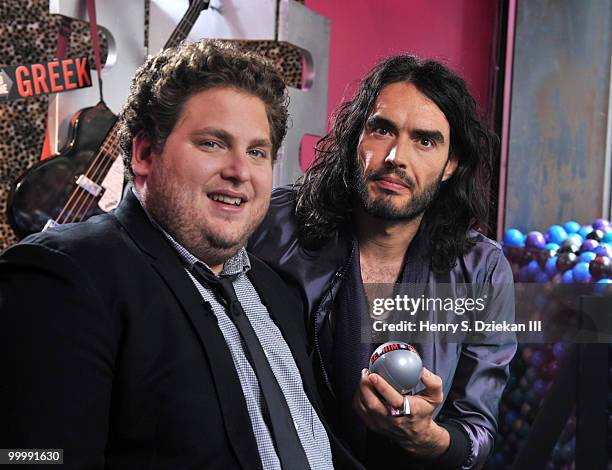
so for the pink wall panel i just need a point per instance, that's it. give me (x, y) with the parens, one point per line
(456, 32)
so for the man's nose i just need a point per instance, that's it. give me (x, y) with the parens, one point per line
(399, 154)
(236, 166)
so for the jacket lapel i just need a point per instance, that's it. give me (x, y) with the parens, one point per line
(167, 264)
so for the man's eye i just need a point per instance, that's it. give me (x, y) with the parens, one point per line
(381, 131)
(428, 143)
(209, 144)
(258, 153)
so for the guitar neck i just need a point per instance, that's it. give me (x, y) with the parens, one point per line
(110, 148)
(187, 21)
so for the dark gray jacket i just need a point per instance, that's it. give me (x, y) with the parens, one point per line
(473, 375)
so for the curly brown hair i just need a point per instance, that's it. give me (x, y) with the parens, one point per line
(167, 80)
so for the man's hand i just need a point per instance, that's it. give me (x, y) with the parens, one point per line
(417, 433)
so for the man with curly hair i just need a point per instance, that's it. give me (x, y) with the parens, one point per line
(397, 189)
(149, 337)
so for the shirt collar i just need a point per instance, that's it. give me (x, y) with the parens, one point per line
(239, 263)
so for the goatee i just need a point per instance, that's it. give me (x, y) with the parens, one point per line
(383, 207)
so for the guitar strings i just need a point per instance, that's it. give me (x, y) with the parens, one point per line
(75, 210)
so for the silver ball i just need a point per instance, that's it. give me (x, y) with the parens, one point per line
(399, 364)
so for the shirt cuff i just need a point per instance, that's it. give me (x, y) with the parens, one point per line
(458, 451)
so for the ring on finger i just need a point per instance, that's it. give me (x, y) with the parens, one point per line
(404, 411)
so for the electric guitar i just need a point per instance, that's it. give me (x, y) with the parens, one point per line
(73, 185)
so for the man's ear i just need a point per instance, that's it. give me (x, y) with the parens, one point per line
(142, 155)
(451, 166)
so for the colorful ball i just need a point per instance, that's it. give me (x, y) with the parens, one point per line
(535, 240)
(556, 234)
(537, 359)
(514, 237)
(551, 266)
(585, 230)
(566, 261)
(581, 273)
(596, 235)
(600, 224)
(600, 267)
(589, 245)
(571, 244)
(559, 350)
(571, 226)
(604, 249)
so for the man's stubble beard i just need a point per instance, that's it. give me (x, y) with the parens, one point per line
(382, 207)
(172, 209)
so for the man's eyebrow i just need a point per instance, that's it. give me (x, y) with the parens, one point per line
(229, 138)
(261, 143)
(375, 122)
(215, 132)
(436, 136)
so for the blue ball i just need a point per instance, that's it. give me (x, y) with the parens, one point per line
(581, 272)
(602, 286)
(533, 268)
(514, 237)
(607, 238)
(585, 230)
(556, 234)
(551, 266)
(541, 277)
(552, 246)
(523, 275)
(571, 226)
(568, 277)
(587, 257)
(559, 350)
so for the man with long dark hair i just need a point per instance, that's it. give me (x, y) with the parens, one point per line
(395, 195)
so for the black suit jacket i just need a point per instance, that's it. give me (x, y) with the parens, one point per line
(109, 352)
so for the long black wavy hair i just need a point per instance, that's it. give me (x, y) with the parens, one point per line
(326, 193)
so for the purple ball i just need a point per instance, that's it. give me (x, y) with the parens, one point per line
(604, 249)
(535, 240)
(589, 245)
(600, 224)
(559, 350)
(540, 387)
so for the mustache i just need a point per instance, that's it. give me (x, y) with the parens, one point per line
(395, 171)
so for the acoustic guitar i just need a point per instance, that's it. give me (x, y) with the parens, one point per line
(68, 187)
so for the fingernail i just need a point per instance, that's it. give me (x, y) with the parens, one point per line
(374, 379)
(364, 371)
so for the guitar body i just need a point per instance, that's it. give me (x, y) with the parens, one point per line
(43, 191)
